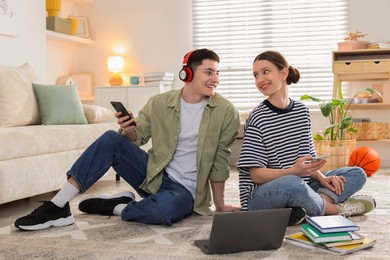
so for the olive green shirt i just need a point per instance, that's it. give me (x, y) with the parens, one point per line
(160, 120)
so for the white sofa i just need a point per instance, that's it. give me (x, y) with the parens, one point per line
(35, 157)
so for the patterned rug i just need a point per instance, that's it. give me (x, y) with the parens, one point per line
(100, 237)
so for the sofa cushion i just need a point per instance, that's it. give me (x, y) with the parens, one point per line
(17, 102)
(22, 141)
(59, 105)
(97, 114)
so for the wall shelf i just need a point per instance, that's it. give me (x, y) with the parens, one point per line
(369, 106)
(68, 38)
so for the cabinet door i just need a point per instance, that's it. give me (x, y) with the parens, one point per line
(104, 95)
(138, 96)
(347, 66)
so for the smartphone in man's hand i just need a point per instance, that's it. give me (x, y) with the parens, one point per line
(119, 107)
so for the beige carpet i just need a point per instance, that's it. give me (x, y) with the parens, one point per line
(100, 237)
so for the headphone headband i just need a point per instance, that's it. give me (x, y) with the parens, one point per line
(187, 57)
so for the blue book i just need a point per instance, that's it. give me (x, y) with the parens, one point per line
(332, 223)
(318, 237)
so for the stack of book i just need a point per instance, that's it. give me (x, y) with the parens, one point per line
(162, 79)
(332, 234)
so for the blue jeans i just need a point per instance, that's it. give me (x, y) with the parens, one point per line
(292, 191)
(170, 204)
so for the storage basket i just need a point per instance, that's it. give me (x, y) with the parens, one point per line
(369, 131)
(352, 45)
(339, 152)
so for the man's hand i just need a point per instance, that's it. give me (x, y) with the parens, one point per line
(125, 125)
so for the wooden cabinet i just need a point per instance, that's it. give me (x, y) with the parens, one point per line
(132, 97)
(362, 65)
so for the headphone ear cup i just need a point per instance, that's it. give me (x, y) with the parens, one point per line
(186, 74)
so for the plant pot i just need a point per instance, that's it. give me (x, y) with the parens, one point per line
(338, 150)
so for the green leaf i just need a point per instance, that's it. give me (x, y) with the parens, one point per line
(346, 122)
(372, 90)
(307, 97)
(339, 89)
(318, 137)
(353, 130)
(326, 108)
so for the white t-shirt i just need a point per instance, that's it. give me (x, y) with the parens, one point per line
(182, 168)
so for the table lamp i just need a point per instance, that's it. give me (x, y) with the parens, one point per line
(115, 65)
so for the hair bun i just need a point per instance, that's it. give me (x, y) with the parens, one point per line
(293, 75)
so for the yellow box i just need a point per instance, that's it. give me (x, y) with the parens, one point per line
(58, 24)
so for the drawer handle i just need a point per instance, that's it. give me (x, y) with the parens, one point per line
(348, 63)
(377, 62)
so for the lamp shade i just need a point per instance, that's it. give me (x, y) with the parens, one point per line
(115, 63)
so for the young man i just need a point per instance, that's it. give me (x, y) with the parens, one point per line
(191, 129)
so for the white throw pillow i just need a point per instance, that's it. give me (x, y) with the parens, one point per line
(98, 114)
(18, 105)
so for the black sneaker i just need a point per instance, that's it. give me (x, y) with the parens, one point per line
(104, 205)
(45, 216)
(297, 216)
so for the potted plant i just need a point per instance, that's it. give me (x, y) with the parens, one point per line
(332, 141)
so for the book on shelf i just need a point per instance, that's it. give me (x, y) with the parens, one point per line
(159, 74)
(318, 237)
(160, 82)
(332, 223)
(299, 239)
(165, 78)
(357, 238)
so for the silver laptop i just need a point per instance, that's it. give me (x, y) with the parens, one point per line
(234, 232)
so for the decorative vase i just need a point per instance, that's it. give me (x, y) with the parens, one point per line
(53, 7)
(338, 150)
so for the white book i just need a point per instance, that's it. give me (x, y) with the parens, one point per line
(159, 74)
(150, 79)
(332, 223)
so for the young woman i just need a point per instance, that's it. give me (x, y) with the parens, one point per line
(274, 167)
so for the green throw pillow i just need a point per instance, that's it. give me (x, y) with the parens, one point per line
(59, 105)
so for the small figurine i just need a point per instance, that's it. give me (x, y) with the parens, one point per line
(355, 36)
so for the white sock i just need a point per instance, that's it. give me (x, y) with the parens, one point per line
(66, 194)
(118, 209)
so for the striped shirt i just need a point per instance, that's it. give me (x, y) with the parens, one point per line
(274, 138)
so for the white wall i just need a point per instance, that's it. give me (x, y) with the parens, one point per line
(151, 35)
(371, 18)
(30, 43)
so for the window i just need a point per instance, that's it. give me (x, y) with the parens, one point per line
(305, 32)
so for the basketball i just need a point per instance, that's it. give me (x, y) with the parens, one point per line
(366, 158)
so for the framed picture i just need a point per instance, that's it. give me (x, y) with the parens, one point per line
(84, 84)
(82, 26)
(9, 18)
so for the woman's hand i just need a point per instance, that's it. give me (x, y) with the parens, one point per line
(334, 183)
(228, 208)
(304, 167)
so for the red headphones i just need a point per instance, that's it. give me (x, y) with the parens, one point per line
(186, 74)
